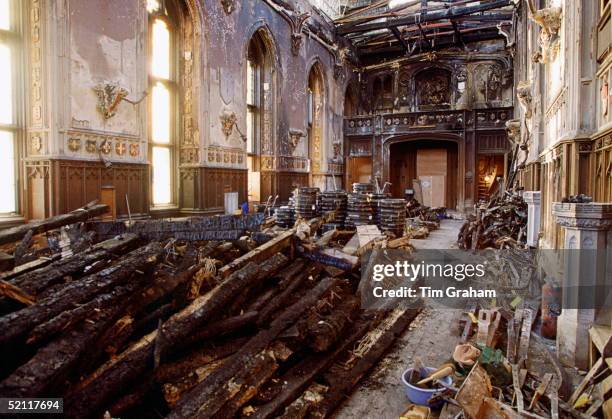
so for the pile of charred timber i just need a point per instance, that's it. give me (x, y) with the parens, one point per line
(500, 223)
(186, 318)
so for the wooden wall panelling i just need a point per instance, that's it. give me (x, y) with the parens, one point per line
(288, 181)
(214, 182)
(493, 142)
(189, 179)
(38, 181)
(268, 185)
(78, 182)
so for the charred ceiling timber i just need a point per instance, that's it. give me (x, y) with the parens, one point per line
(452, 12)
(483, 35)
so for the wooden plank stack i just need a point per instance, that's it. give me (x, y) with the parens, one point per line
(190, 329)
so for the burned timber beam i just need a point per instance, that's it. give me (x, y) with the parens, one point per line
(20, 322)
(37, 227)
(217, 227)
(450, 13)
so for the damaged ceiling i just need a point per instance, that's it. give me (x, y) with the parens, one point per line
(395, 28)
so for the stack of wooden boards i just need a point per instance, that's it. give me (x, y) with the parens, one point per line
(146, 325)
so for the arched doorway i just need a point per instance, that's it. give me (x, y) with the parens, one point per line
(316, 113)
(429, 166)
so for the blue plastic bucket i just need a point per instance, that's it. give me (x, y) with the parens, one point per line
(419, 395)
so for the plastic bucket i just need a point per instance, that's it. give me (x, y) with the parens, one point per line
(419, 395)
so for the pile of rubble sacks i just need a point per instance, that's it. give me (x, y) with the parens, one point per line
(189, 317)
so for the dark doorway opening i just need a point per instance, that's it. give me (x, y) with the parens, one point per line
(428, 166)
(491, 172)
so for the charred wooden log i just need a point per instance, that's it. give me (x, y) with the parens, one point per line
(138, 359)
(301, 375)
(35, 282)
(326, 331)
(217, 227)
(68, 318)
(174, 371)
(375, 344)
(289, 284)
(259, 254)
(262, 367)
(19, 323)
(210, 395)
(221, 327)
(53, 363)
(183, 324)
(82, 214)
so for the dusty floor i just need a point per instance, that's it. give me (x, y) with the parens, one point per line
(381, 395)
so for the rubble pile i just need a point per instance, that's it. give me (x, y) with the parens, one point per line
(499, 369)
(151, 320)
(500, 223)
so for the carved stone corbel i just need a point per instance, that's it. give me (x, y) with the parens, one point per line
(340, 61)
(294, 139)
(109, 97)
(337, 148)
(523, 94)
(297, 23)
(228, 120)
(228, 6)
(549, 20)
(513, 128)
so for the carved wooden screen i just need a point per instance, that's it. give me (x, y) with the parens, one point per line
(433, 89)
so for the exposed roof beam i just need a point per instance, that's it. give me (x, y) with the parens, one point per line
(446, 41)
(458, 33)
(401, 40)
(450, 13)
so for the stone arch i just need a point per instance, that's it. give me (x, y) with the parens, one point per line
(317, 120)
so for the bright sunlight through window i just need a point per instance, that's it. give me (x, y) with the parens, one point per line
(6, 110)
(5, 14)
(160, 65)
(7, 173)
(161, 114)
(161, 176)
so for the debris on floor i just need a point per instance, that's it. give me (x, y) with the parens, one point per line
(224, 316)
(499, 223)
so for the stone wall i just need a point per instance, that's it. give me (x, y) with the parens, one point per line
(79, 48)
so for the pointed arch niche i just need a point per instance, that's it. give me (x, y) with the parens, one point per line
(173, 126)
(260, 94)
(316, 124)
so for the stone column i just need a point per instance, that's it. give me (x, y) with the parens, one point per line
(588, 242)
(532, 198)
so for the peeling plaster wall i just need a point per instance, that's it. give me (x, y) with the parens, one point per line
(107, 40)
(104, 48)
(72, 150)
(226, 45)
